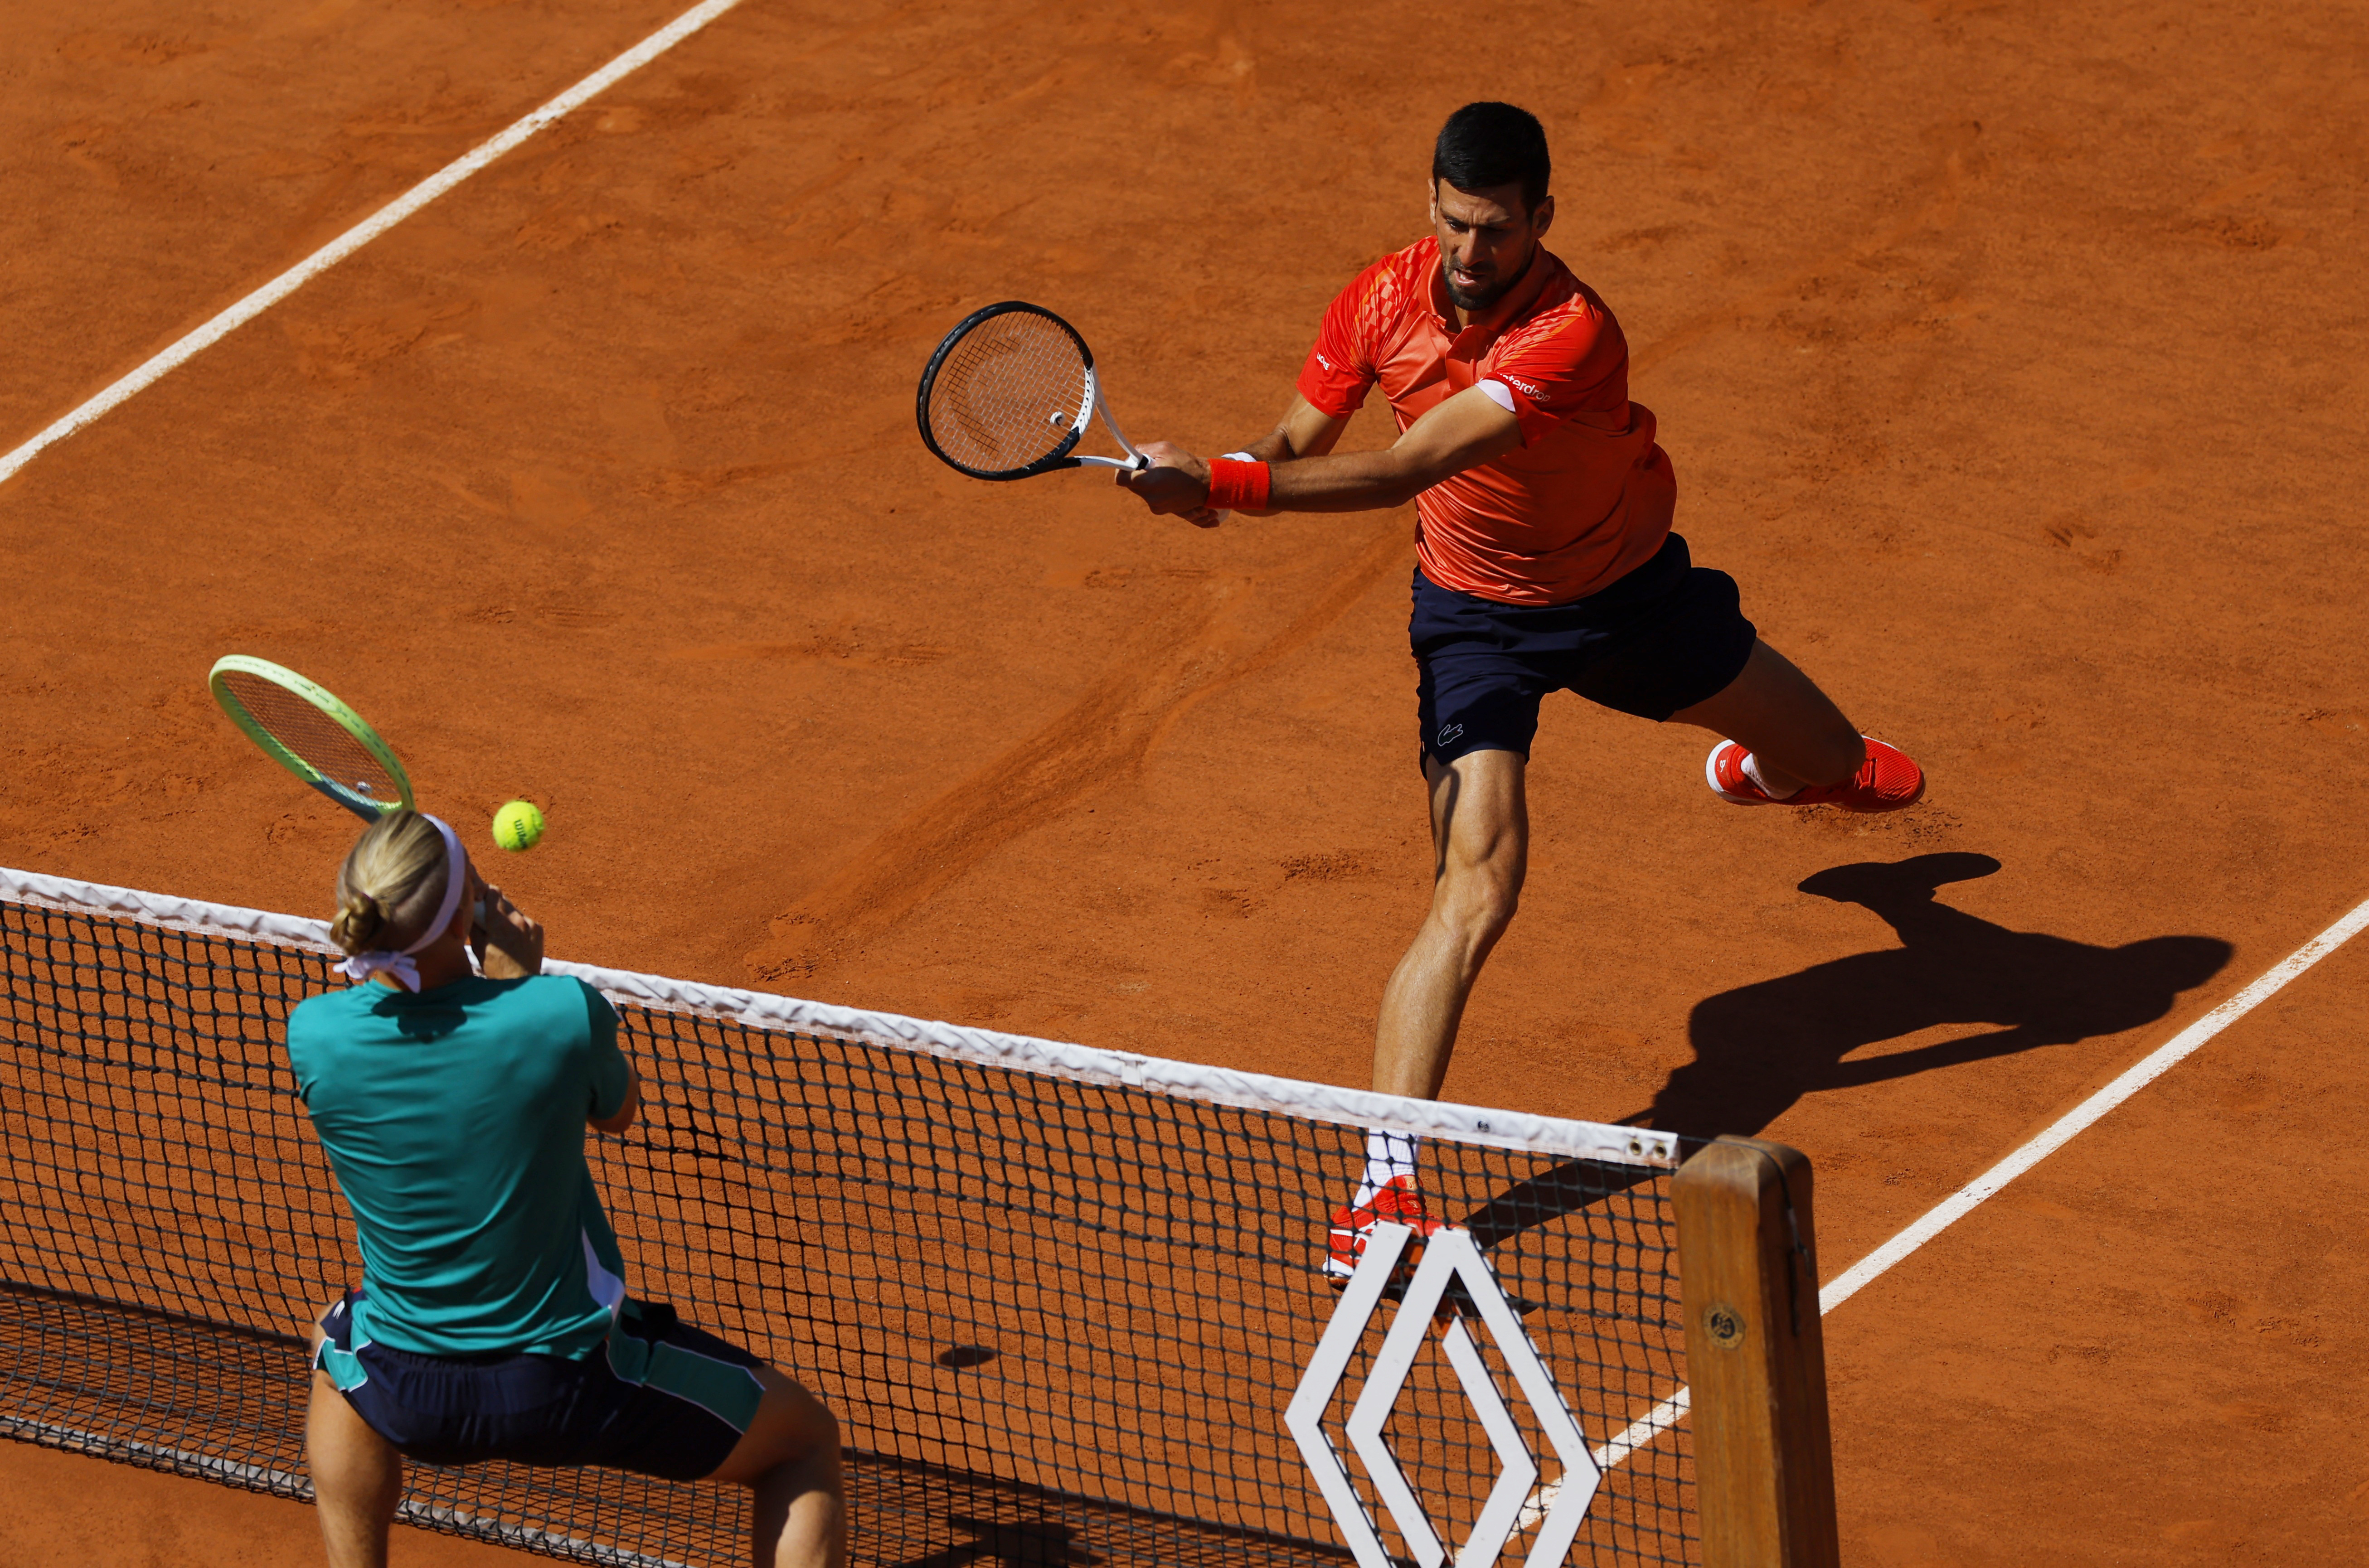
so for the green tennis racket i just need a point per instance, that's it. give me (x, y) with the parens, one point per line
(304, 728)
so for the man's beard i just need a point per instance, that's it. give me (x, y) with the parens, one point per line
(1489, 296)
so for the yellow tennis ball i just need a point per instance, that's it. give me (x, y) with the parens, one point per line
(518, 826)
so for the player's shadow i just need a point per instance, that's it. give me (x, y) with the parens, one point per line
(1759, 1048)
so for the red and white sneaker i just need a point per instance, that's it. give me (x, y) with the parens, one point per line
(1886, 781)
(1398, 1203)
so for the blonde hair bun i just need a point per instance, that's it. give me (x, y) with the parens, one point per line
(357, 924)
(390, 886)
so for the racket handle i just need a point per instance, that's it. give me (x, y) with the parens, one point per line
(1137, 461)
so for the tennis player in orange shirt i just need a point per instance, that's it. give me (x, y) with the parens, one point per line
(1545, 563)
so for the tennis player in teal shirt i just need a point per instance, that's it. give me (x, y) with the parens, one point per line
(493, 1321)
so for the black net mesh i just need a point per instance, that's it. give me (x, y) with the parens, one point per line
(1007, 394)
(1060, 1322)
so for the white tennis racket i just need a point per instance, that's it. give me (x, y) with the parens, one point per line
(1010, 393)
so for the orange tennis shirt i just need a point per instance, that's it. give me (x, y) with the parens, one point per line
(1583, 500)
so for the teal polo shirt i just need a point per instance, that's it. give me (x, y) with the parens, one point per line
(454, 1120)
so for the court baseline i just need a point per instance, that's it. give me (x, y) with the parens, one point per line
(220, 326)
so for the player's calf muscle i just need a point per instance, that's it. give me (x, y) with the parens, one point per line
(1779, 715)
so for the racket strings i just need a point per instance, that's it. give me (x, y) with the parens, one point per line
(313, 736)
(1009, 394)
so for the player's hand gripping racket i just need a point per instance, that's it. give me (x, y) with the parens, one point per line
(307, 731)
(1010, 392)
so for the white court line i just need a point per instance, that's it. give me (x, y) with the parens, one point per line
(368, 229)
(1963, 1202)
(2081, 1117)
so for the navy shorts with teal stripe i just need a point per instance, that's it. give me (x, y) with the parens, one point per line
(660, 1398)
(1668, 635)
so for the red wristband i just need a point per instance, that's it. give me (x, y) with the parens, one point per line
(1237, 484)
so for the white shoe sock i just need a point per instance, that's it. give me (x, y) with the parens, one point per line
(1387, 1155)
(1752, 771)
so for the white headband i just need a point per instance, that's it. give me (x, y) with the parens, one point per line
(361, 966)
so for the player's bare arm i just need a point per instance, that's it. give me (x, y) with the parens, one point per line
(1489, 247)
(1305, 431)
(1466, 430)
(626, 1110)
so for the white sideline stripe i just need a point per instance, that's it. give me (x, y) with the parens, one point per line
(1083, 1063)
(377, 223)
(1959, 1204)
(2081, 1117)
(1644, 1430)
(1638, 1433)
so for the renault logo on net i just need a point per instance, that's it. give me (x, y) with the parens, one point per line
(1556, 1508)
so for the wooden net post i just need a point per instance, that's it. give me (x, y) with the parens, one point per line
(1748, 1277)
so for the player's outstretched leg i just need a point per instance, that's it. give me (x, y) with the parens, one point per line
(1480, 835)
(1787, 744)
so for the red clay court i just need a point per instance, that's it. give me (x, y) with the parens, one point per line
(2010, 357)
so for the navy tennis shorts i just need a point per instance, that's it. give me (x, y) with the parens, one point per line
(660, 1398)
(1668, 635)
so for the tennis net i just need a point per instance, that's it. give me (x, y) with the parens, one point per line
(1061, 1300)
